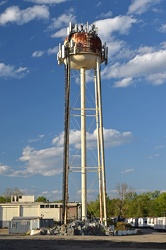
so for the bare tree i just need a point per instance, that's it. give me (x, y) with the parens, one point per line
(12, 191)
(124, 192)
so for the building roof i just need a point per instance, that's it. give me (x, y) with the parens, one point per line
(26, 218)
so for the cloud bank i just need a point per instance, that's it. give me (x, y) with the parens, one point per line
(49, 161)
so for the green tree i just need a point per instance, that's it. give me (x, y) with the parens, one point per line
(57, 201)
(4, 200)
(41, 199)
(153, 208)
(142, 205)
(116, 207)
(160, 205)
(129, 204)
(94, 207)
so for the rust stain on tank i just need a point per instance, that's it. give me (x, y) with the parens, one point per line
(86, 42)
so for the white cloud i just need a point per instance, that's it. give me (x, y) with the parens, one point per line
(114, 47)
(9, 71)
(163, 28)
(46, 162)
(112, 137)
(123, 83)
(120, 24)
(141, 6)
(163, 45)
(126, 171)
(63, 20)
(149, 156)
(106, 15)
(49, 161)
(47, 1)
(39, 137)
(98, 4)
(159, 147)
(38, 53)
(5, 170)
(51, 51)
(152, 156)
(3, 2)
(106, 27)
(149, 65)
(51, 194)
(157, 79)
(60, 34)
(58, 140)
(124, 53)
(145, 49)
(15, 15)
(21, 69)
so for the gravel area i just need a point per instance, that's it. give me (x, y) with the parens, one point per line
(149, 239)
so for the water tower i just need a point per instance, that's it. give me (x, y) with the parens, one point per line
(83, 50)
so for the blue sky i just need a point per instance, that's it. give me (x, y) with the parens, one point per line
(32, 93)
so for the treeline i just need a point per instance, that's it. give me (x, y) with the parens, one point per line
(129, 204)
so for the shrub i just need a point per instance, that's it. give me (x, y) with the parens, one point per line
(122, 226)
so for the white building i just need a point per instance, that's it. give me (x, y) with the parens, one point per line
(150, 222)
(133, 222)
(142, 222)
(22, 198)
(25, 206)
(160, 223)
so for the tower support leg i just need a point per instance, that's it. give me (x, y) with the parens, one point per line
(83, 145)
(101, 138)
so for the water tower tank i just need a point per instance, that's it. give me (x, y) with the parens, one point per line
(82, 47)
